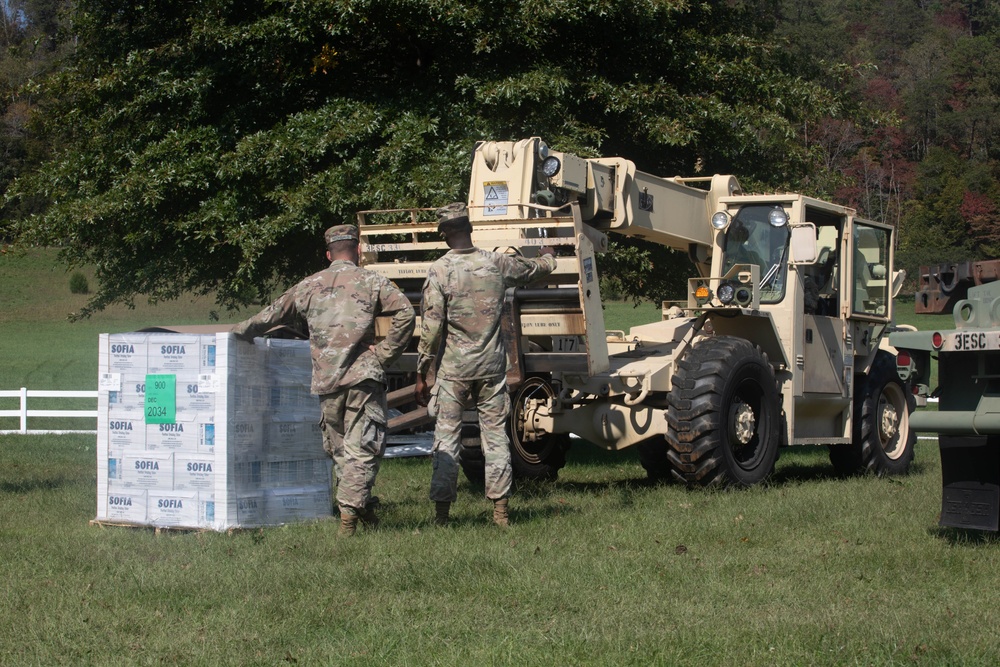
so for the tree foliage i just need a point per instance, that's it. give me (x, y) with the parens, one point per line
(29, 49)
(927, 158)
(203, 145)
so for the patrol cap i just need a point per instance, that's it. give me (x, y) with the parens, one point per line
(452, 217)
(341, 233)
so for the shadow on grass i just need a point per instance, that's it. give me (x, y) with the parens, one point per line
(542, 489)
(796, 465)
(965, 536)
(29, 485)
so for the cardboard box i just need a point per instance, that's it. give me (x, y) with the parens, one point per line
(293, 403)
(288, 505)
(174, 508)
(245, 437)
(282, 473)
(181, 436)
(181, 354)
(128, 506)
(147, 470)
(248, 475)
(294, 439)
(287, 362)
(194, 471)
(250, 399)
(196, 393)
(250, 509)
(124, 433)
(125, 353)
(129, 401)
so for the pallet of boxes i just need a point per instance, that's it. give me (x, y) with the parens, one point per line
(201, 430)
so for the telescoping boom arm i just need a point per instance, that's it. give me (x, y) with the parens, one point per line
(522, 196)
(613, 195)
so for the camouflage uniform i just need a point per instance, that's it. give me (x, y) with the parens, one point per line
(462, 304)
(339, 305)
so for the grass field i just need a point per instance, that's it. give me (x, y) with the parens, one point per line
(600, 568)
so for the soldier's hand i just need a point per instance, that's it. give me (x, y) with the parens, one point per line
(422, 391)
(548, 250)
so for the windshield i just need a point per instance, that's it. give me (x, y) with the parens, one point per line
(751, 239)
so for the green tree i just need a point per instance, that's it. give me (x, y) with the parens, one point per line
(952, 216)
(203, 146)
(969, 123)
(925, 242)
(29, 48)
(925, 159)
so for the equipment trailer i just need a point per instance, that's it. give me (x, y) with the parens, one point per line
(783, 340)
(968, 416)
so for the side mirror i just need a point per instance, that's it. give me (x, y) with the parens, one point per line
(803, 244)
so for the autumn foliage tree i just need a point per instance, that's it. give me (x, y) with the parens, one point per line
(925, 157)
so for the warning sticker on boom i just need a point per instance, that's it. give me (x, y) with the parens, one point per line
(496, 197)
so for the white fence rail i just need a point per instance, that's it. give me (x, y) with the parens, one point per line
(24, 413)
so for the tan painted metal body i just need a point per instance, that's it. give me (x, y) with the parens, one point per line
(612, 385)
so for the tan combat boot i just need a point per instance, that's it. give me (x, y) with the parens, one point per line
(500, 513)
(442, 510)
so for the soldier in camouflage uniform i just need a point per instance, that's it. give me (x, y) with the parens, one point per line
(461, 308)
(339, 305)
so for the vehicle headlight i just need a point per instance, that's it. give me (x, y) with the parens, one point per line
(726, 292)
(744, 296)
(720, 220)
(777, 217)
(551, 165)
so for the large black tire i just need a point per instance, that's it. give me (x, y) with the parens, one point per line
(543, 457)
(882, 441)
(724, 415)
(470, 456)
(539, 459)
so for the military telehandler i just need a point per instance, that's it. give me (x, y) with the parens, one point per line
(782, 339)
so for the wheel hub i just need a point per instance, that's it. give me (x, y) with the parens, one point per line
(526, 421)
(529, 437)
(889, 420)
(743, 422)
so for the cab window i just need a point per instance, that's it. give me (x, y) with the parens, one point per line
(871, 284)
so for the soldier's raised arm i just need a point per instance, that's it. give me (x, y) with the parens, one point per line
(282, 311)
(518, 271)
